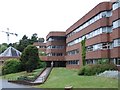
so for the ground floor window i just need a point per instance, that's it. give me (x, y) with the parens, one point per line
(73, 62)
(115, 61)
(92, 61)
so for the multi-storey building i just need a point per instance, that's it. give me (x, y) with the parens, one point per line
(100, 27)
(56, 48)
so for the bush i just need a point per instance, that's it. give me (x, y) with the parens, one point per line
(95, 69)
(81, 71)
(11, 66)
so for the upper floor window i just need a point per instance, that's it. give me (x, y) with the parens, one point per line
(100, 46)
(116, 5)
(56, 38)
(91, 35)
(117, 42)
(92, 20)
(116, 24)
(73, 52)
(55, 47)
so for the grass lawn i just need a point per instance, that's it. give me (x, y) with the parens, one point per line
(14, 76)
(61, 77)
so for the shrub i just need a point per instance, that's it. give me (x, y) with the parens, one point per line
(81, 71)
(95, 69)
(11, 66)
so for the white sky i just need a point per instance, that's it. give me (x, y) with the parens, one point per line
(40, 16)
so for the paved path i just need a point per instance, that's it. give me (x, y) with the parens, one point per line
(6, 84)
(43, 76)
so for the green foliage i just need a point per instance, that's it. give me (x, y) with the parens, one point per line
(30, 76)
(83, 51)
(93, 69)
(23, 43)
(11, 66)
(41, 53)
(103, 61)
(3, 47)
(41, 64)
(30, 58)
(62, 77)
(33, 38)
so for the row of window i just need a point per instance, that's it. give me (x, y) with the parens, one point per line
(73, 62)
(55, 47)
(91, 35)
(58, 38)
(116, 24)
(55, 54)
(96, 61)
(73, 52)
(92, 20)
(104, 46)
(100, 46)
(41, 46)
(115, 61)
(116, 5)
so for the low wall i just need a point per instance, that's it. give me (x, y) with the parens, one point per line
(23, 82)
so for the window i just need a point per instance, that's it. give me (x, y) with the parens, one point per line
(73, 52)
(55, 54)
(73, 62)
(118, 61)
(92, 20)
(91, 35)
(111, 45)
(116, 5)
(116, 24)
(97, 47)
(89, 48)
(37, 46)
(105, 46)
(100, 46)
(117, 42)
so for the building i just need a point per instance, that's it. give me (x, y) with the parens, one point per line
(100, 27)
(9, 53)
(56, 49)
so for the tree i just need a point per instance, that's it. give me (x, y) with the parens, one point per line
(30, 58)
(23, 43)
(41, 40)
(34, 38)
(3, 47)
(83, 51)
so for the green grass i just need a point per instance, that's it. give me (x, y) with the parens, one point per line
(62, 77)
(14, 76)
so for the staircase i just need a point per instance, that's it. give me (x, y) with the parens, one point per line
(43, 76)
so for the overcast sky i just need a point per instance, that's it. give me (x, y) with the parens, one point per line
(26, 17)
